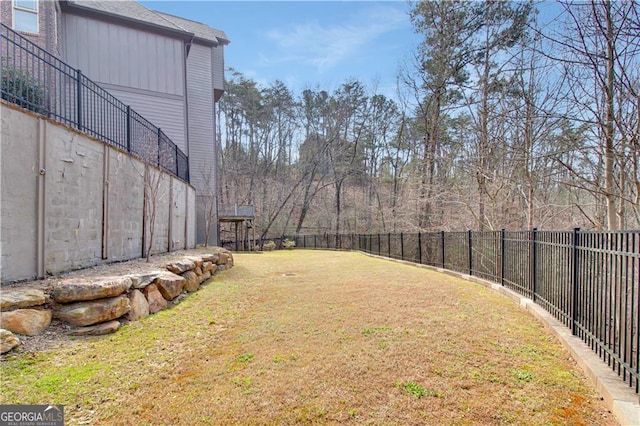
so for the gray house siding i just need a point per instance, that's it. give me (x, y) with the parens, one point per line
(142, 69)
(218, 67)
(202, 155)
(114, 54)
(200, 93)
(164, 111)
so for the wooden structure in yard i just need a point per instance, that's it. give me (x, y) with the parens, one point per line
(242, 218)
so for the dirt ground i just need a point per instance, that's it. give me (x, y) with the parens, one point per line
(314, 337)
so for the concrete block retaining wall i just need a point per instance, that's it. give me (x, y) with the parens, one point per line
(69, 201)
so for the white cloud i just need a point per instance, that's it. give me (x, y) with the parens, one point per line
(326, 46)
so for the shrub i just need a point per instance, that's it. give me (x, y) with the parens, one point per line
(288, 244)
(269, 246)
(20, 88)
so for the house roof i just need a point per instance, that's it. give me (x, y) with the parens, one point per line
(200, 30)
(132, 11)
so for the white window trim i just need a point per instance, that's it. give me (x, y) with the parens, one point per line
(14, 7)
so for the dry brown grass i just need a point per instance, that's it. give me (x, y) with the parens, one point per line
(318, 337)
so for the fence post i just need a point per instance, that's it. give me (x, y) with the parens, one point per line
(442, 241)
(159, 137)
(315, 242)
(177, 171)
(379, 249)
(389, 244)
(502, 253)
(534, 263)
(128, 128)
(574, 281)
(79, 99)
(470, 253)
(401, 246)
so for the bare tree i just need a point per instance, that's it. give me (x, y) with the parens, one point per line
(601, 46)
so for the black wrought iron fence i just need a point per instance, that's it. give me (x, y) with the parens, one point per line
(587, 280)
(38, 81)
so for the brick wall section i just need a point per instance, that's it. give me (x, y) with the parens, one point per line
(49, 22)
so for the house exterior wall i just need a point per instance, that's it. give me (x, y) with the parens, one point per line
(202, 146)
(69, 201)
(123, 56)
(218, 67)
(201, 135)
(162, 110)
(48, 23)
(143, 69)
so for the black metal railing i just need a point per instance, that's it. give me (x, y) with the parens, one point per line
(587, 280)
(38, 81)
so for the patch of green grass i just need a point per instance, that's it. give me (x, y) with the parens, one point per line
(244, 383)
(412, 388)
(244, 358)
(522, 375)
(370, 331)
(206, 420)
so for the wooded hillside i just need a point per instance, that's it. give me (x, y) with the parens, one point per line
(502, 120)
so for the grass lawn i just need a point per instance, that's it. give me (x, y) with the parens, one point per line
(303, 336)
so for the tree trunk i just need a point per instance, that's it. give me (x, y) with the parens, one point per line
(609, 153)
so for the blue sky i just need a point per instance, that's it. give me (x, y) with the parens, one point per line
(309, 44)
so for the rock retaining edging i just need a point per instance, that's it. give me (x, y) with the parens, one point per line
(100, 306)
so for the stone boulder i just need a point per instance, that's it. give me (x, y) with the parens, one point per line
(181, 266)
(154, 298)
(139, 306)
(170, 285)
(93, 312)
(29, 322)
(21, 299)
(140, 281)
(205, 277)
(191, 281)
(225, 258)
(197, 260)
(96, 330)
(211, 257)
(208, 267)
(83, 290)
(7, 341)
